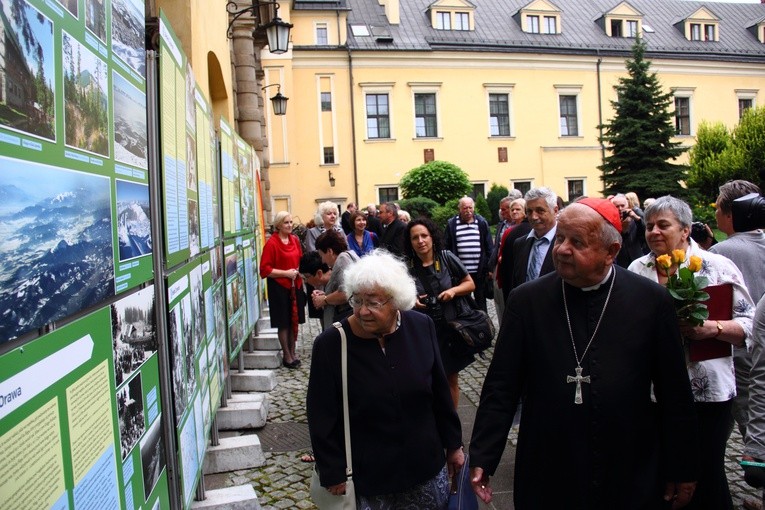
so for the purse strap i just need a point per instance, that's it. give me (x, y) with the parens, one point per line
(346, 418)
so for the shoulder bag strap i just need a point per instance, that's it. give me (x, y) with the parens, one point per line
(346, 419)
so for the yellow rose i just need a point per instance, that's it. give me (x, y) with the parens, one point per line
(664, 261)
(678, 256)
(694, 264)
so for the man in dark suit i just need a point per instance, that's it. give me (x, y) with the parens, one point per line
(532, 254)
(345, 219)
(392, 238)
(373, 223)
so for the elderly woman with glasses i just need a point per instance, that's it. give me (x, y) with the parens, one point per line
(405, 433)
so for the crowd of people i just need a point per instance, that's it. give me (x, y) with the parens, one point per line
(617, 384)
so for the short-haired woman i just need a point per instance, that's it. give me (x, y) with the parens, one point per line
(335, 254)
(405, 433)
(279, 265)
(361, 240)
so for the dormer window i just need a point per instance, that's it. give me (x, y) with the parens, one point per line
(539, 17)
(621, 21)
(702, 25)
(451, 15)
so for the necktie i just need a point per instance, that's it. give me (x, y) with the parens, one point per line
(538, 253)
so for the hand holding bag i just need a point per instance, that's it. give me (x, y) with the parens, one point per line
(321, 497)
(462, 496)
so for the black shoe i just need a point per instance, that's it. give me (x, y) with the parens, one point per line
(289, 365)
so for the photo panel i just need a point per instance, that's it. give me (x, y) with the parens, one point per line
(130, 124)
(56, 252)
(86, 100)
(133, 220)
(95, 18)
(27, 76)
(152, 457)
(129, 33)
(134, 332)
(131, 415)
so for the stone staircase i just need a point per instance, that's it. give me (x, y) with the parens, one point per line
(246, 410)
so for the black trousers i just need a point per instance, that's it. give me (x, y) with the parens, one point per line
(715, 425)
(479, 294)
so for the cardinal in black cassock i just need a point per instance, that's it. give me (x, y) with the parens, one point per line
(590, 435)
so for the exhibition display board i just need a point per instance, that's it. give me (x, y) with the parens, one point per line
(99, 400)
(74, 161)
(80, 420)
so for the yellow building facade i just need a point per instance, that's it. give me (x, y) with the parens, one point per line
(442, 90)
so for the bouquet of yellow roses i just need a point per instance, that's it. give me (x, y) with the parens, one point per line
(685, 286)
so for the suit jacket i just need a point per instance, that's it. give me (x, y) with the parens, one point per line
(392, 238)
(374, 225)
(521, 253)
(345, 222)
(505, 268)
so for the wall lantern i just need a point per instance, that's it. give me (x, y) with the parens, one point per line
(278, 102)
(331, 179)
(277, 30)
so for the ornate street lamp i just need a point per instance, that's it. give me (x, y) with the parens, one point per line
(277, 30)
(278, 102)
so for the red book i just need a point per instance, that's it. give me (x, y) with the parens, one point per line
(720, 306)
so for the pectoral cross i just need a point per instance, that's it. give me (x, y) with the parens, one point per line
(578, 379)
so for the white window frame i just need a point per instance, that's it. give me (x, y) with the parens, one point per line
(746, 94)
(443, 20)
(500, 88)
(546, 24)
(530, 25)
(523, 181)
(333, 113)
(570, 90)
(317, 28)
(379, 187)
(379, 88)
(687, 93)
(584, 186)
(631, 28)
(461, 21)
(426, 88)
(695, 32)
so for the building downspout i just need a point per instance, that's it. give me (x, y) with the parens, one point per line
(353, 116)
(600, 111)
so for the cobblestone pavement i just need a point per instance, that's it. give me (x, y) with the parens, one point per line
(283, 482)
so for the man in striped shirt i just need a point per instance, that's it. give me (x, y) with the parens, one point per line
(467, 236)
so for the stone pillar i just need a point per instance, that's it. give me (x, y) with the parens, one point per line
(248, 97)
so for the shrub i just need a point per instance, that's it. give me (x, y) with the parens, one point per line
(418, 206)
(437, 180)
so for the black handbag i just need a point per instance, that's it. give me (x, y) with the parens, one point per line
(472, 325)
(476, 329)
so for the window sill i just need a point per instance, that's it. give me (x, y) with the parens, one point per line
(570, 137)
(427, 139)
(329, 164)
(508, 137)
(379, 140)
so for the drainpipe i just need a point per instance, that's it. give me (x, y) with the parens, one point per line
(600, 110)
(353, 116)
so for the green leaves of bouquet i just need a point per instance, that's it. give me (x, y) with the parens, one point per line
(685, 286)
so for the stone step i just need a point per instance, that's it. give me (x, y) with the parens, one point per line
(259, 359)
(244, 411)
(234, 453)
(264, 323)
(253, 380)
(266, 342)
(239, 497)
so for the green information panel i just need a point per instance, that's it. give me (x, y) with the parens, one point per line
(73, 170)
(71, 436)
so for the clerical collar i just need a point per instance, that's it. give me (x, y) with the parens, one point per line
(597, 285)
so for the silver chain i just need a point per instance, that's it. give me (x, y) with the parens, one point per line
(568, 320)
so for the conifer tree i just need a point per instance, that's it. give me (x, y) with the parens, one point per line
(639, 137)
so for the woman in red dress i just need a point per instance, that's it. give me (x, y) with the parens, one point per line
(279, 265)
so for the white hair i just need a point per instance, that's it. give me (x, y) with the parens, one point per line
(381, 270)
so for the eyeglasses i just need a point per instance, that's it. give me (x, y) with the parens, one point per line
(357, 302)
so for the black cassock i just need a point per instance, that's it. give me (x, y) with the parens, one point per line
(617, 449)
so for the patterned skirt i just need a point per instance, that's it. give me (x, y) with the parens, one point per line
(430, 495)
